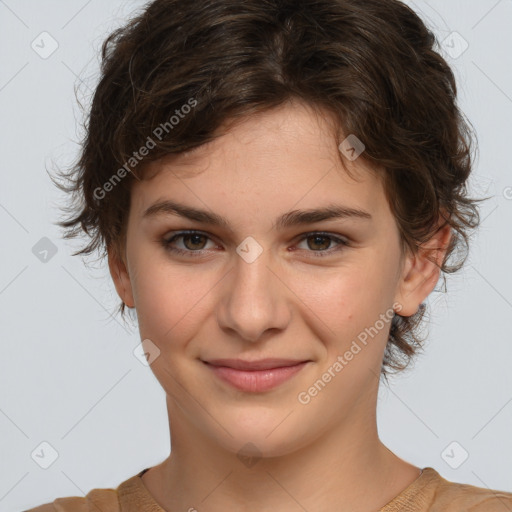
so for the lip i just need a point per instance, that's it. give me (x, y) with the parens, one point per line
(255, 376)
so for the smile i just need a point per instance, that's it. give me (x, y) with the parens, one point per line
(256, 376)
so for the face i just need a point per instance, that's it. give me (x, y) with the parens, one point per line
(256, 278)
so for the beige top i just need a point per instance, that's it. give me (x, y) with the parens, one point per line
(429, 492)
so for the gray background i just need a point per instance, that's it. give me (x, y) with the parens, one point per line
(68, 373)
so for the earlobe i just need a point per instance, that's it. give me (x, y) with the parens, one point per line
(120, 277)
(421, 271)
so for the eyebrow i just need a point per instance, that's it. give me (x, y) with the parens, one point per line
(289, 219)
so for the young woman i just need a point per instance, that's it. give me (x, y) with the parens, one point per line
(278, 186)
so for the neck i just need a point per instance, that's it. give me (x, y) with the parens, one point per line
(346, 469)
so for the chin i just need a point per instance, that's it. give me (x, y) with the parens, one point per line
(264, 434)
(246, 445)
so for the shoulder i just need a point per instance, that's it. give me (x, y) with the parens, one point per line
(131, 494)
(105, 500)
(436, 494)
(430, 492)
(456, 496)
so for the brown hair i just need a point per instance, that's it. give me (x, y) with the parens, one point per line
(182, 68)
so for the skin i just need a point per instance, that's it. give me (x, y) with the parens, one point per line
(325, 455)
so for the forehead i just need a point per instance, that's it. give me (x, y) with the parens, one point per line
(284, 156)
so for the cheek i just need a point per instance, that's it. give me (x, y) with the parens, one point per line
(170, 301)
(341, 294)
(346, 303)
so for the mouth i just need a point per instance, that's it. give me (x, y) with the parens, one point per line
(255, 376)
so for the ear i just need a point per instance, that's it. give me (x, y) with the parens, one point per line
(421, 271)
(120, 276)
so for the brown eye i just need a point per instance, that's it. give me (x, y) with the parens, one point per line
(194, 241)
(319, 242)
(187, 243)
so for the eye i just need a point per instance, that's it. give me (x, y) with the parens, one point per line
(320, 243)
(195, 243)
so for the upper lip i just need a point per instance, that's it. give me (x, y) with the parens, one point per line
(260, 364)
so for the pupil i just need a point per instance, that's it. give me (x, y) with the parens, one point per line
(316, 238)
(194, 238)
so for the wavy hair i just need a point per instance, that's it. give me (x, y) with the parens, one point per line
(372, 64)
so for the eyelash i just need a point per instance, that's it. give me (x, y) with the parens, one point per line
(166, 242)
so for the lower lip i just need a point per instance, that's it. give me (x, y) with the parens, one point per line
(255, 381)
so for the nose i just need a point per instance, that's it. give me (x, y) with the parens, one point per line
(254, 299)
